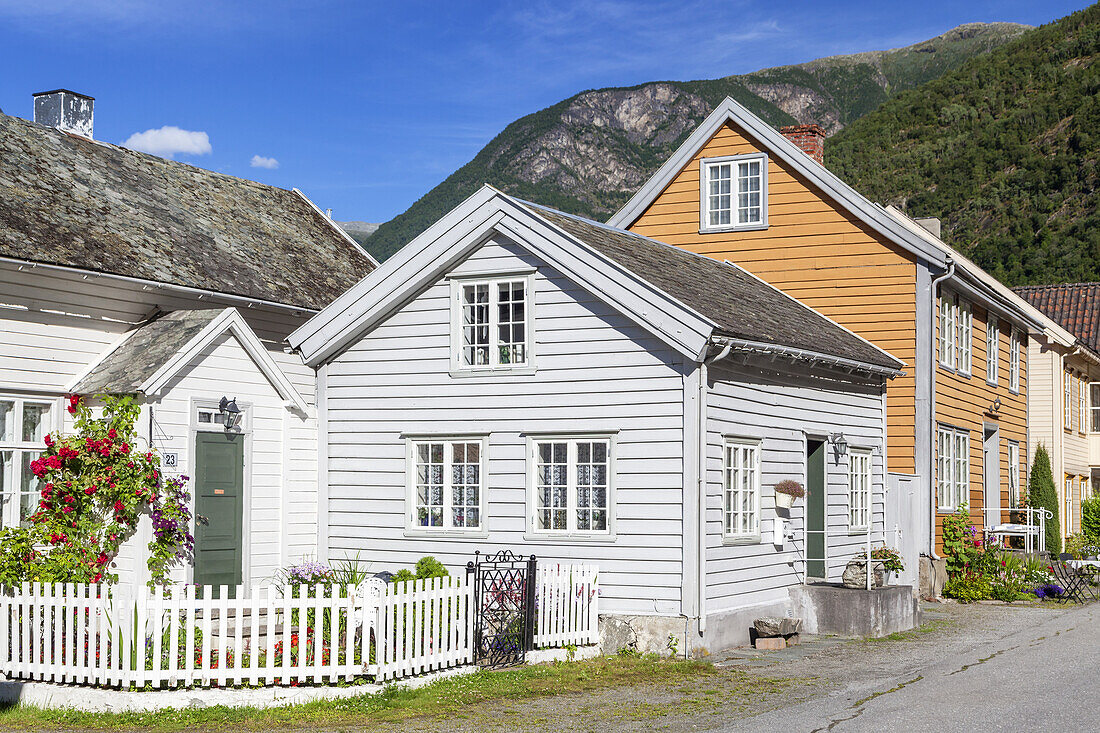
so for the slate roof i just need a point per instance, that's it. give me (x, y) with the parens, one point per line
(1074, 306)
(742, 305)
(145, 350)
(66, 200)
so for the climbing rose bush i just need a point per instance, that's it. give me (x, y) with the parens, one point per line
(94, 487)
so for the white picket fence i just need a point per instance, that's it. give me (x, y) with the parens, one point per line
(184, 636)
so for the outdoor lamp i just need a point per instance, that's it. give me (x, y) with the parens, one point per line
(840, 442)
(228, 407)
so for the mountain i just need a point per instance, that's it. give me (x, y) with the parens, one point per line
(1004, 150)
(360, 231)
(589, 153)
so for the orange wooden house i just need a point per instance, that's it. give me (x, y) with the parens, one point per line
(957, 420)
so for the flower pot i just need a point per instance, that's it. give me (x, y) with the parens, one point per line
(783, 501)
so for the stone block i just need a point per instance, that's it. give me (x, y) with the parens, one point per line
(771, 643)
(777, 626)
(793, 639)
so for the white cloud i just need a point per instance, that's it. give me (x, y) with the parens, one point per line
(259, 161)
(169, 140)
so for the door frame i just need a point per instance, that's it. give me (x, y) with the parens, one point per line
(991, 433)
(245, 433)
(824, 439)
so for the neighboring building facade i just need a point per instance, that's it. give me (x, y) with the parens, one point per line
(1065, 408)
(121, 272)
(738, 190)
(517, 378)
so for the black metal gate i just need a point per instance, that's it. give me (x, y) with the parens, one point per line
(504, 607)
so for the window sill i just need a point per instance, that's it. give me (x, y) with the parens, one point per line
(991, 384)
(740, 228)
(493, 372)
(473, 534)
(746, 540)
(857, 531)
(546, 538)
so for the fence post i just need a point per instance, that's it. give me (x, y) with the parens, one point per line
(531, 593)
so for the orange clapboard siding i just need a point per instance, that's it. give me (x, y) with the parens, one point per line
(818, 253)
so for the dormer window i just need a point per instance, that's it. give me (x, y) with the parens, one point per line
(734, 193)
(491, 327)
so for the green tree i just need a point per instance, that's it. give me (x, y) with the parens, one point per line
(1090, 519)
(1042, 494)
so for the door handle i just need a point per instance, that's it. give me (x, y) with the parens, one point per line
(204, 521)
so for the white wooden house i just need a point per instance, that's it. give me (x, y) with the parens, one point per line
(126, 273)
(518, 378)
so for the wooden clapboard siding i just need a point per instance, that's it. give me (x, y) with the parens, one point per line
(818, 253)
(778, 410)
(965, 401)
(596, 371)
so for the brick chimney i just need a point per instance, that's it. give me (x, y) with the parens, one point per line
(809, 138)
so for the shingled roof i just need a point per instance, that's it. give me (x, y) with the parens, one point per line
(742, 305)
(66, 200)
(1074, 306)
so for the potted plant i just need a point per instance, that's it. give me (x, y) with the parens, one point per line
(786, 492)
(884, 562)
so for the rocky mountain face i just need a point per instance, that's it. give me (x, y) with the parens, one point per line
(589, 153)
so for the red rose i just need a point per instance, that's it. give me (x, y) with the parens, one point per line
(112, 434)
(49, 440)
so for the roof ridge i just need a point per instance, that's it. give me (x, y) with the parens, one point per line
(1056, 285)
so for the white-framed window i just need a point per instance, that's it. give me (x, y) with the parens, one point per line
(859, 489)
(571, 480)
(947, 331)
(1083, 488)
(446, 489)
(734, 192)
(1067, 512)
(491, 323)
(952, 467)
(1014, 361)
(1067, 399)
(964, 342)
(1094, 409)
(741, 490)
(992, 348)
(1013, 474)
(1082, 407)
(24, 424)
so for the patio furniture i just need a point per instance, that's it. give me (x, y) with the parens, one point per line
(1089, 571)
(1074, 585)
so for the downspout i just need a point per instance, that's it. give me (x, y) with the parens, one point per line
(932, 408)
(701, 486)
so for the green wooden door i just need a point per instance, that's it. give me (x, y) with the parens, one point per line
(219, 509)
(815, 508)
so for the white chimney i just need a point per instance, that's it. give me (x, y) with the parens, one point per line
(65, 110)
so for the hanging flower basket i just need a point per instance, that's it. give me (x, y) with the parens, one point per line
(786, 492)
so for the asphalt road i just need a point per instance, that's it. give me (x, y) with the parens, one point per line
(1040, 677)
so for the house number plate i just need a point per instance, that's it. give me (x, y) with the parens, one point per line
(169, 460)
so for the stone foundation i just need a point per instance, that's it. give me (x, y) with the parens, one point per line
(933, 574)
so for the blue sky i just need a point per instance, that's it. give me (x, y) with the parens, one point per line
(365, 106)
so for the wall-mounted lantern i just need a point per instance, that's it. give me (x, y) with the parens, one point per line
(230, 412)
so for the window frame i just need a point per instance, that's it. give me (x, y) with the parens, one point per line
(951, 460)
(412, 527)
(865, 456)
(571, 531)
(964, 338)
(10, 501)
(1067, 399)
(1067, 503)
(1094, 408)
(992, 349)
(1013, 458)
(754, 534)
(1014, 361)
(457, 283)
(948, 331)
(1082, 406)
(704, 198)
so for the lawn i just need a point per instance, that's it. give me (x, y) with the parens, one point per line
(447, 699)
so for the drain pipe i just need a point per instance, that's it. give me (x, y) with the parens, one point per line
(932, 408)
(701, 486)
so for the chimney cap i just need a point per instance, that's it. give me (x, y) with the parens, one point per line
(812, 127)
(63, 91)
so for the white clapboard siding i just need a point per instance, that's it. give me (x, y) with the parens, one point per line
(596, 371)
(779, 411)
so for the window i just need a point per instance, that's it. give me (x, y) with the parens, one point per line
(741, 490)
(953, 467)
(734, 192)
(859, 489)
(992, 349)
(947, 331)
(1094, 409)
(1083, 486)
(1067, 400)
(572, 485)
(1014, 361)
(492, 326)
(446, 483)
(1013, 474)
(964, 342)
(1067, 494)
(1082, 407)
(24, 424)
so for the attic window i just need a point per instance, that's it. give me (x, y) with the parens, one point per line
(734, 193)
(491, 324)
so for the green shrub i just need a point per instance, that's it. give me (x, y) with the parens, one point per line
(1090, 519)
(956, 549)
(968, 587)
(429, 567)
(1009, 581)
(1042, 494)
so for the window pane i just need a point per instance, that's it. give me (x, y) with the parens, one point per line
(7, 482)
(7, 421)
(429, 486)
(35, 419)
(475, 324)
